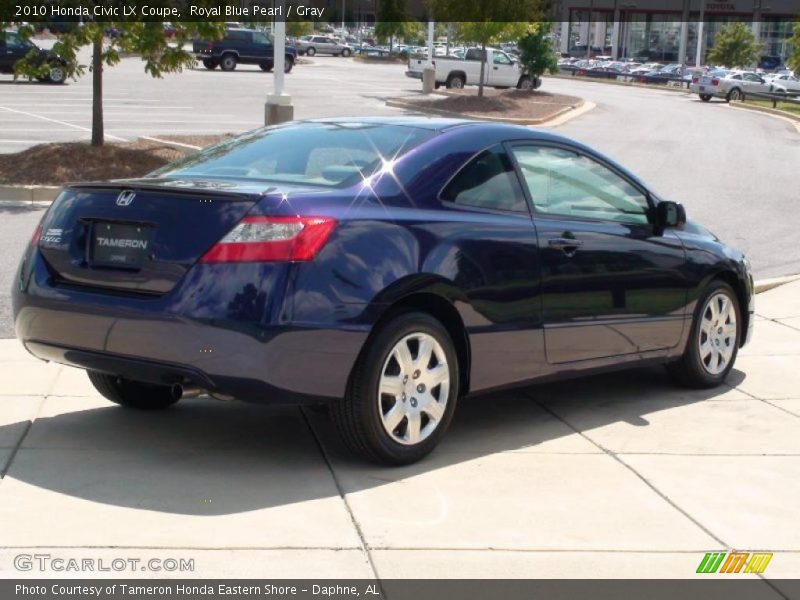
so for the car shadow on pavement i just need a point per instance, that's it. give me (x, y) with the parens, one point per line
(205, 457)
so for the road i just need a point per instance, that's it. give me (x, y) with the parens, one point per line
(731, 168)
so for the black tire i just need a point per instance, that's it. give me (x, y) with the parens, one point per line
(357, 415)
(288, 64)
(690, 370)
(525, 83)
(133, 394)
(57, 74)
(210, 64)
(734, 95)
(346, 53)
(705, 97)
(311, 51)
(455, 82)
(264, 66)
(228, 62)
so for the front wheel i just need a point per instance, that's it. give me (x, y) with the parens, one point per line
(311, 51)
(346, 53)
(57, 74)
(264, 66)
(713, 340)
(133, 394)
(288, 64)
(525, 83)
(402, 392)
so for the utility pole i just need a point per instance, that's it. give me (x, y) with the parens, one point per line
(699, 57)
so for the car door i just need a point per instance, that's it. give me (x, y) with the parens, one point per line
(611, 284)
(261, 47)
(502, 70)
(754, 83)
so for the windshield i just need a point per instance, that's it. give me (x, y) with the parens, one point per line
(321, 154)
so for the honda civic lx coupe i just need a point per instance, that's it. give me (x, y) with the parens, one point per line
(386, 267)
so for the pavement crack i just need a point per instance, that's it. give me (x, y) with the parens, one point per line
(641, 477)
(364, 545)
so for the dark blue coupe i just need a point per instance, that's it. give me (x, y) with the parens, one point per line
(386, 267)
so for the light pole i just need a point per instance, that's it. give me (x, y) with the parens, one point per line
(343, 11)
(278, 108)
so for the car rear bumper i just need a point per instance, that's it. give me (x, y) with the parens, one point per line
(218, 340)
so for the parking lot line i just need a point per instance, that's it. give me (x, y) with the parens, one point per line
(35, 116)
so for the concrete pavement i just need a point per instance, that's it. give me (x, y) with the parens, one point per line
(613, 476)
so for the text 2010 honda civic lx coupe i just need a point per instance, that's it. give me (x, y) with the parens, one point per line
(387, 267)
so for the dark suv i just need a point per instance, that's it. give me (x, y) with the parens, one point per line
(245, 46)
(14, 48)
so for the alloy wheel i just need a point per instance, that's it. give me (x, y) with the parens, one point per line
(717, 334)
(413, 388)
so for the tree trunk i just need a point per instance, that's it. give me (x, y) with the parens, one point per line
(97, 91)
(483, 69)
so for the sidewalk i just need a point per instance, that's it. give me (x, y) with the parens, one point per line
(613, 476)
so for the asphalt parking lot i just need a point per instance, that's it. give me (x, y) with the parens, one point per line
(614, 476)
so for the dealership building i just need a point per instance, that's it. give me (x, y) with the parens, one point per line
(669, 30)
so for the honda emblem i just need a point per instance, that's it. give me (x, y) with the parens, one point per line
(125, 198)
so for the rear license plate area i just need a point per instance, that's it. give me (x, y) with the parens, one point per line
(119, 245)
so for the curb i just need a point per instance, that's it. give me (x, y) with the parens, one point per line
(28, 194)
(411, 105)
(764, 285)
(646, 86)
(775, 112)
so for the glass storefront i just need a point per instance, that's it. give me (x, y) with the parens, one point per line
(652, 36)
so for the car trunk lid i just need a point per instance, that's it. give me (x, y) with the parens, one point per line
(138, 236)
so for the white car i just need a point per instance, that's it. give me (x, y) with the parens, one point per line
(731, 85)
(787, 80)
(500, 71)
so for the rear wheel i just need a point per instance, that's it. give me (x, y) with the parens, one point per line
(705, 97)
(713, 341)
(455, 82)
(735, 95)
(264, 66)
(133, 394)
(311, 51)
(228, 62)
(209, 64)
(403, 392)
(288, 64)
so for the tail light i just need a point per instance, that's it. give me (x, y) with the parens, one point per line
(37, 234)
(715, 82)
(695, 79)
(270, 239)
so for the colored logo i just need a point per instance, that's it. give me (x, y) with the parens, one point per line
(734, 562)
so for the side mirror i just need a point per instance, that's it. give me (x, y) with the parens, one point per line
(670, 214)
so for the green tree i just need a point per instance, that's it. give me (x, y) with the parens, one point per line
(536, 51)
(488, 22)
(145, 38)
(298, 26)
(391, 21)
(734, 46)
(794, 58)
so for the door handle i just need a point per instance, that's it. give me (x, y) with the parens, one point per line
(568, 244)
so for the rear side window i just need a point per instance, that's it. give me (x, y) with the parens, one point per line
(487, 181)
(237, 36)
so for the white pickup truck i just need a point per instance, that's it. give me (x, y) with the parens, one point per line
(500, 71)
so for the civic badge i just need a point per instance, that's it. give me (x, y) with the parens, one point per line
(125, 198)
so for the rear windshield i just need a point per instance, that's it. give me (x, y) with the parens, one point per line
(320, 154)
